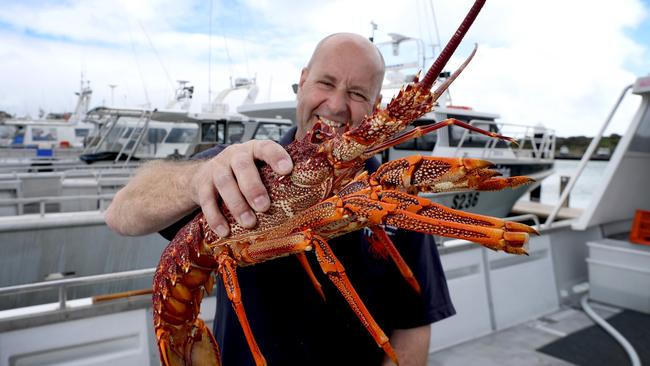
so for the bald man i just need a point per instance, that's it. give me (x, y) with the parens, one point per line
(293, 326)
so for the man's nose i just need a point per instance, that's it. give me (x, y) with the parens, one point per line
(337, 103)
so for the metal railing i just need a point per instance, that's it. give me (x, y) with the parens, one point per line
(42, 201)
(585, 158)
(62, 284)
(532, 142)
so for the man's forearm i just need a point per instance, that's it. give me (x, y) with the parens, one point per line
(155, 198)
(411, 346)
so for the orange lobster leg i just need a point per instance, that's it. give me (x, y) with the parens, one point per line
(387, 213)
(304, 241)
(302, 258)
(336, 273)
(227, 267)
(381, 242)
(424, 207)
(435, 174)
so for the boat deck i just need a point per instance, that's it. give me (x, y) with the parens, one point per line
(543, 210)
(518, 345)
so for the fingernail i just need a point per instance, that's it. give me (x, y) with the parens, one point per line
(222, 231)
(261, 203)
(284, 165)
(247, 219)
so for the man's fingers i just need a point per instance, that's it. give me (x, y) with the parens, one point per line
(249, 181)
(229, 191)
(274, 155)
(216, 220)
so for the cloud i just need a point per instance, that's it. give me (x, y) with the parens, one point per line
(560, 63)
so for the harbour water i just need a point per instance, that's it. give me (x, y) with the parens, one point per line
(581, 195)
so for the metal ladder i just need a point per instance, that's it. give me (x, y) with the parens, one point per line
(137, 135)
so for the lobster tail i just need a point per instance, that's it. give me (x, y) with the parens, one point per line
(184, 273)
(445, 55)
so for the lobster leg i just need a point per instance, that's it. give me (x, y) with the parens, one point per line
(227, 267)
(302, 258)
(381, 242)
(435, 174)
(377, 212)
(423, 130)
(424, 207)
(304, 241)
(336, 273)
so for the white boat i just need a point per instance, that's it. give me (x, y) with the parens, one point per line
(49, 138)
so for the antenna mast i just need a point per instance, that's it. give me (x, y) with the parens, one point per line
(210, 56)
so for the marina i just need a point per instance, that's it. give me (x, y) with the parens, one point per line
(73, 292)
(524, 299)
(525, 291)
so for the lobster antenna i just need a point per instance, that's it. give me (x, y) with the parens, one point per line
(445, 55)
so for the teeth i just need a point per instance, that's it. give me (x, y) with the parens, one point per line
(331, 123)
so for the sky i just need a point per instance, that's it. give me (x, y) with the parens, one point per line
(558, 63)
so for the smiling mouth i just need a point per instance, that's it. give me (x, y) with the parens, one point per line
(332, 124)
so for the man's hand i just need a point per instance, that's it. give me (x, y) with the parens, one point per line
(164, 192)
(233, 176)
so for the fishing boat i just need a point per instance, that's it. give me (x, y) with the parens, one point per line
(36, 142)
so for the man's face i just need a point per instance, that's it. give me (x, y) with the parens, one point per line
(341, 85)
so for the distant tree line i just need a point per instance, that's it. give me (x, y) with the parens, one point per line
(577, 145)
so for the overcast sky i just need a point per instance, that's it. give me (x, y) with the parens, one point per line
(558, 63)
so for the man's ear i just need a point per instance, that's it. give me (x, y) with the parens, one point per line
(303, 77)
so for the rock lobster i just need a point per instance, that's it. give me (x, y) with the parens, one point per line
(327, 195)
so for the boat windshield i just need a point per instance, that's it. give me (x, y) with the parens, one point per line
(270, 131)
(181, 135)
(471, 138)
(422, 143)
(214, 132)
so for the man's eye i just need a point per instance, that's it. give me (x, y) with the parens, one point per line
(326, 83)
(358, 97)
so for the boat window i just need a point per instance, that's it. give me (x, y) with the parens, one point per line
(181, 135)
(81, 132)
(422, 143)
(212, 132)
(156, 135)
(235, 132)
(270, 131)
(43, 134)
(128, 132)
(473, 139)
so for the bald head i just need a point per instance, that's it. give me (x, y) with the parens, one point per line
(350, 42)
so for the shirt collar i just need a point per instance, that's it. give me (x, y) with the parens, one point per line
(288, 136)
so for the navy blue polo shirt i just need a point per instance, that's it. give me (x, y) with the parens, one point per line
(294, 326)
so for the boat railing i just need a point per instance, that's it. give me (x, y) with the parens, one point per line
(533, 142)
(10, 153)
(585, 158)
(45, 166)
(61, 285)
(20, 203)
